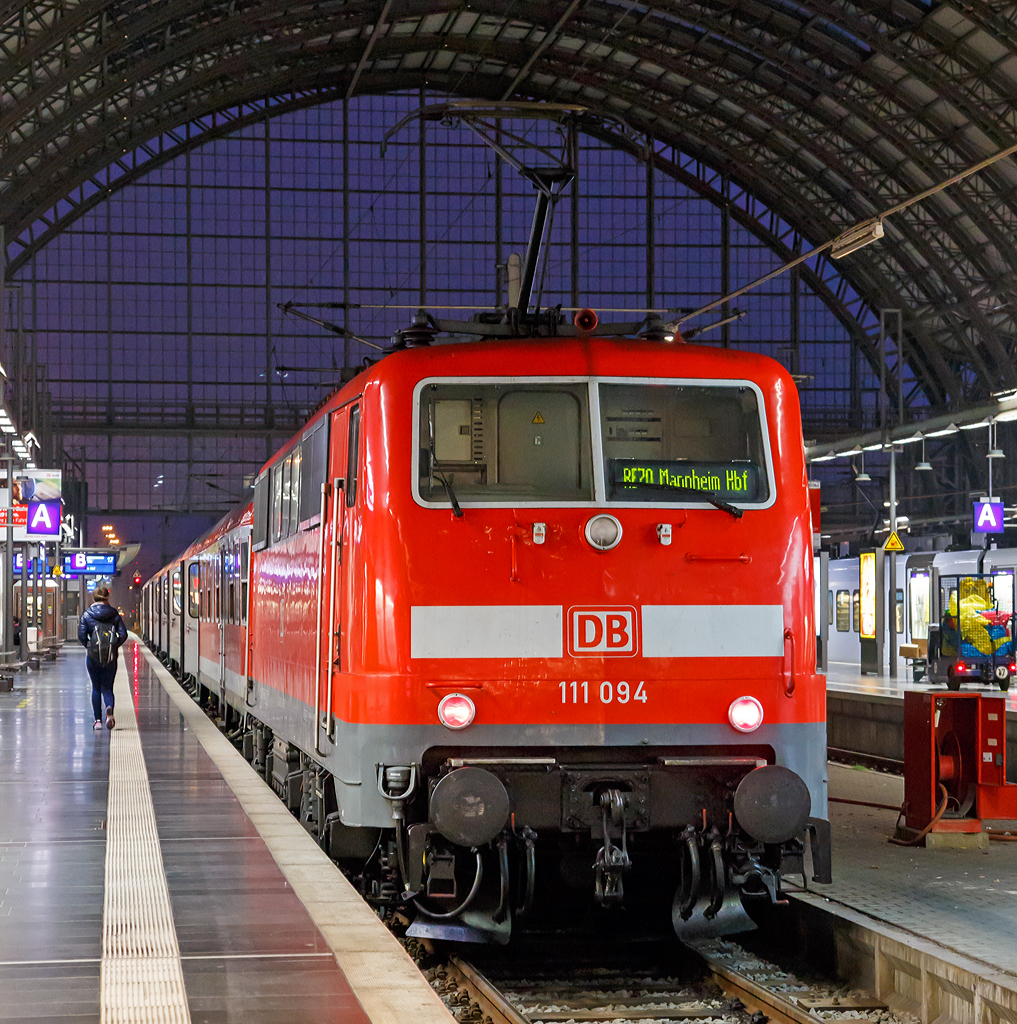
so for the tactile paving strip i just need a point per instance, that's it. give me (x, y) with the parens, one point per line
(383, 978)
(141, 976)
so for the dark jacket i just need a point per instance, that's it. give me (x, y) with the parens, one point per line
(101, 612)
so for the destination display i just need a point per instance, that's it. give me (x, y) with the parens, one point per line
(90, 563)
(737, 481)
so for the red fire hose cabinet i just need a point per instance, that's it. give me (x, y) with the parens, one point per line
(955, 751)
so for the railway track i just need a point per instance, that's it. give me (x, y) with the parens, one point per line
(719, 982)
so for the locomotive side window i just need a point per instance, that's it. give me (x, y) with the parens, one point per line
(277, 498)
(313, 472)
(193, 590)
(352, 456)
(663, 442)
(294, 502)
(505, 441)
(284, 479)
(843, 611)
(262, 509)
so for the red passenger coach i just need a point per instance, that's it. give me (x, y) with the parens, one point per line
(527, 627)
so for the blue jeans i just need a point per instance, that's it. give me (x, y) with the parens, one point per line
(102, 683)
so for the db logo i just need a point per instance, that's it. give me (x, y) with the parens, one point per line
(603, 630)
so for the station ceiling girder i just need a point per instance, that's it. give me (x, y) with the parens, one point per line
(827, 113)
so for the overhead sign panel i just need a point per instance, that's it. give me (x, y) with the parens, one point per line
(43, 519)
(89, 563)
(38, 488)
(988, 517)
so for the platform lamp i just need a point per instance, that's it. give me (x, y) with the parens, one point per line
(923, 466)
(994, 451)
(862, 477)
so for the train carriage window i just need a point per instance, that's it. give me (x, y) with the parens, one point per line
(177, 595)
(505, 442)
(856, 610)
(193, 590)
(245, 571)
(663, 441)
(231, 565)
(313, 473)
(843, 611)
(829, 607)
(919, 591)
(900, 612)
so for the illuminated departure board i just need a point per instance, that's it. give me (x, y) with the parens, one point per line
(737, 481)
(90, 563)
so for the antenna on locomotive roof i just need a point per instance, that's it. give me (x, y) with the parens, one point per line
(556, 171)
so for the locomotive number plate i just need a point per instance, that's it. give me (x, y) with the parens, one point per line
(581, 692)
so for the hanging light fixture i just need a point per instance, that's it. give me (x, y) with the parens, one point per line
(862, 477)
(923, 466)
(994, 452)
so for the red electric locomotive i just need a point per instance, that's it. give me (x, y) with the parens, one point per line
(527, 626)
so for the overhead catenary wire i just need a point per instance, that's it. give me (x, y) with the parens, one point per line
(853, 231)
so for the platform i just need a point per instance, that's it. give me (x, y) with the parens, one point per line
(843, 677)
(150, 866)
(962, 900)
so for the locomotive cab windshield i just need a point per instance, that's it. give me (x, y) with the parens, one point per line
(509, 442)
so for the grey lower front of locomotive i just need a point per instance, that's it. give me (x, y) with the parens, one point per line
(486, 796)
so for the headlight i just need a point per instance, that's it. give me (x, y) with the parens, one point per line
(603, 532)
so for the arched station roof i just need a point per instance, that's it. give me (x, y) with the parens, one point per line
(827, 113)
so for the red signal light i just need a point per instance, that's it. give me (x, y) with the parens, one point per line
(456, 711)
(745, 714)
(137, 579)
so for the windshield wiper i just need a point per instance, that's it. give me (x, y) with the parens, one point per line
(693, 492)
(435, 464)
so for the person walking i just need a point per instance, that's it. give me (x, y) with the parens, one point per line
(101, 631)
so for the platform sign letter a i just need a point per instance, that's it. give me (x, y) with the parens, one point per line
(43, 518)
(988, 517)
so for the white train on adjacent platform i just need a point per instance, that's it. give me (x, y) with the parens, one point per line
(918, 599)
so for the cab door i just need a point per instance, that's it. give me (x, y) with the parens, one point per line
(333, 541)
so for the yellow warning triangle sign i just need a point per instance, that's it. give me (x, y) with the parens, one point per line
(893, 543)
(538, 418)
